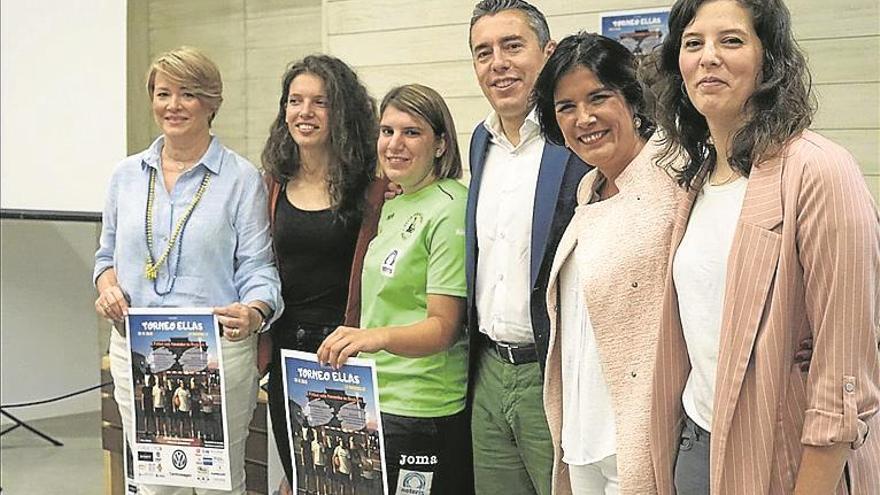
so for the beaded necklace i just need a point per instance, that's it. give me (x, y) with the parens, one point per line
(151, 270)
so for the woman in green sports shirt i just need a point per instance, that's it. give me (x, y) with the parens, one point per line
(413, 298)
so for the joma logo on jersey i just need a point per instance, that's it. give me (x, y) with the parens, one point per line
(418, 460)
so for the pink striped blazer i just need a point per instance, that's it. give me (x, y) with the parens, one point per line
(805, 261)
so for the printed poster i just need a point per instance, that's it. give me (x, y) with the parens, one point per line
(128, 461)
(641, 31)
(336, 431)
(179, 404)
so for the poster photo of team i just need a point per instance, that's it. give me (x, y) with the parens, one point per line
(177, 396)
(336, 436)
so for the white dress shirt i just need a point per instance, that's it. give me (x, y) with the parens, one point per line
(504, 231)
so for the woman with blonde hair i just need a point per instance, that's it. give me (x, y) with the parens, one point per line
(196, 211)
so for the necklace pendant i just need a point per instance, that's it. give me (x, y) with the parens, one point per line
(151, 271)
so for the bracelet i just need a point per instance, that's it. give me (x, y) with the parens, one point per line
(263, 315)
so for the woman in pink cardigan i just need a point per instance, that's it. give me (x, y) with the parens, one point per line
(606, 282)
(777, 240)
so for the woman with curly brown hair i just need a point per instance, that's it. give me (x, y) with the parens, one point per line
(320, 162)
(778, 240)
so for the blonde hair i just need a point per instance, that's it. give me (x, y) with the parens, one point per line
(189, 67)
(422, 101)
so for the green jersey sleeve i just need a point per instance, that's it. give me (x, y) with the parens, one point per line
(446, 245)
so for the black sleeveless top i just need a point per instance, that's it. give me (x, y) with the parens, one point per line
(314, 251)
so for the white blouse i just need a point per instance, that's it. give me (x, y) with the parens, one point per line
(588, 431)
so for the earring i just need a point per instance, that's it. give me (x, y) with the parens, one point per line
(637, 122)
(438, 153)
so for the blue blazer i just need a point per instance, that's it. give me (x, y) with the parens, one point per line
(555, 200)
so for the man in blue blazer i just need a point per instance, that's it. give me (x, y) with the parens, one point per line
(522, 195)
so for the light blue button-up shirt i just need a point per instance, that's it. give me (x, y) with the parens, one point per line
(226, 253)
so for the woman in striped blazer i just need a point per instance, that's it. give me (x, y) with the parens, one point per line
(778, 240)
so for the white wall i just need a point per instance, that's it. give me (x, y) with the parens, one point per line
(63, 90)
(48, 326)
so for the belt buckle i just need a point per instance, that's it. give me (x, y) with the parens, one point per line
(510, 354)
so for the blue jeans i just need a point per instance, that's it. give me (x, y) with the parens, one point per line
(692, 463)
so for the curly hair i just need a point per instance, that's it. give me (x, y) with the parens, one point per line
(781, 106)
(612, 64)
(353, 134)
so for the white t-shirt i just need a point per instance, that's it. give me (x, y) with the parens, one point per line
(588, 431)
(699, 271)
(182, 395)
(344, 459)
(158, 397)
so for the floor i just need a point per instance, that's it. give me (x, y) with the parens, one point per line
(30, 465)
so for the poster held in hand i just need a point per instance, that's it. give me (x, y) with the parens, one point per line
(180, 423)
(335, 426)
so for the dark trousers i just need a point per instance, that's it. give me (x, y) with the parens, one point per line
(421, 448)
(692, 463)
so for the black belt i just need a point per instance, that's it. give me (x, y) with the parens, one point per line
(513, 353)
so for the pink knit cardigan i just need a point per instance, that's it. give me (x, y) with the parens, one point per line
(621, 247)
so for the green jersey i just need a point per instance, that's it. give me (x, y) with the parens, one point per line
(418, 250)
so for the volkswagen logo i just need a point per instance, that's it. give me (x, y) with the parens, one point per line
(178, 459)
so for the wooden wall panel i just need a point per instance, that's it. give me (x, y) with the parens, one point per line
(220, 40)
(391, 42)
(863, 144)
(357, 16)
(172, 13)
(449, 78)
(844, 60)
(817, 19)
(354, 16)
(298, 28)
(252, 41)
(402, 47)
(269, 8)
(140, 130)
(277, 34)
(848, 106)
